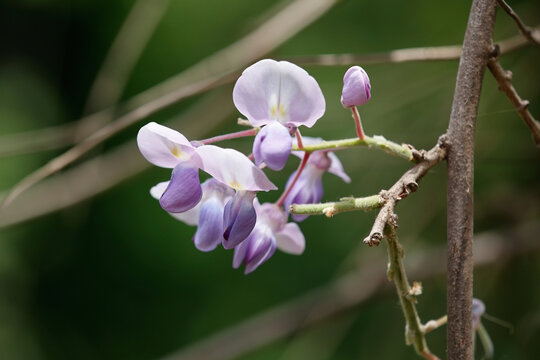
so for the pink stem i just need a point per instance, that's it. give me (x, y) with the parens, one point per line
(299, 139)
(358, 123)
(281, 200)
(234, 135)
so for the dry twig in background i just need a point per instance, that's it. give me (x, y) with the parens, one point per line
(504, 78)
(214, 70)
(64, 135)
(344, 294)
(533, 35)
(104, 172)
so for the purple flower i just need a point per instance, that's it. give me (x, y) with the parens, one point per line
(308, 188)
(356, 87)
(271, 231)
(478, 309)
(281, 96)
(168, 148)
(207, 214)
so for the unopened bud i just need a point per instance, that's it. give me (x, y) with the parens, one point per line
(356, 87)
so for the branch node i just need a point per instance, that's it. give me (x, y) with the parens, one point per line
(495, 51)
(524, 105)
(329, 211)
(443, 142)
(418, 155)
(374, 239)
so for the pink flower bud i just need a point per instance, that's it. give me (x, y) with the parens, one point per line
(356, 87)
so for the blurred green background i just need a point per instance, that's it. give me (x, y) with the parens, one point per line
(115, 277)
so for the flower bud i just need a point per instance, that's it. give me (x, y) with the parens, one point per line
(356, 87)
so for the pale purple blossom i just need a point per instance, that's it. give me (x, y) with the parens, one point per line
(308, 188)
(356, 87)
(478, 309)
(281, 96)
(207, 214)
(168, 148)
(271, 232)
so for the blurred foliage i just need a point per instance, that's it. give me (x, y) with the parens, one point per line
(116, 278)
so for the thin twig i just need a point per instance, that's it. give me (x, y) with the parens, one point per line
(268, 36)
(407, 184)
(477, 48)
(435, 324)
(504, 78)
(531, 35)
(344, 294)
(414, 333)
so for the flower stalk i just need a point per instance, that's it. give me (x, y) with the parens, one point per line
(234, 135)
(283, 196)
(358, 122)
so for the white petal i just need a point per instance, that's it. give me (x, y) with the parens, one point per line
(301, 101)
(291, 240)
(257, 90)
(163, 146)
(233, 168)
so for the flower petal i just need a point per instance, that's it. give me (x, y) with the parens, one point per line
(270, 90)
(239, 218)
(308, 189)
(210, 228)
(272, 146)
(189, 217)
(184, 190)
(162, 146)
(478, 309)
(291, 240)
(240, 253)
(262, 246)
(256, 89)
(233, 168)
(336, 168)
(300, 99)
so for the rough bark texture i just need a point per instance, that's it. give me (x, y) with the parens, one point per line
(476, 52)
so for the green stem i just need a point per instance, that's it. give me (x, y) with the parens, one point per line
(332, 208)
(414, 333)
(378, 142)
(487, 344)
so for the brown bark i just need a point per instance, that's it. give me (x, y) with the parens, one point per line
(476, 52)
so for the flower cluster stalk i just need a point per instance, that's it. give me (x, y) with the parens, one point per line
(403, 151)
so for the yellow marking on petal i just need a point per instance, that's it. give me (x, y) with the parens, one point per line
(176, 151)
(282, 110)
(273, 110)
(235, 185)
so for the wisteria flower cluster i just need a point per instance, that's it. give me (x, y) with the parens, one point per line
(276, 98)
